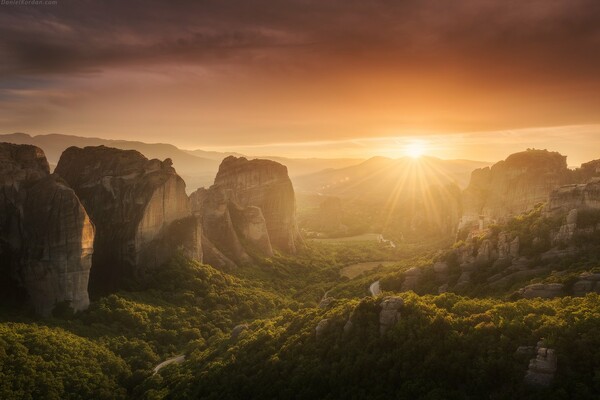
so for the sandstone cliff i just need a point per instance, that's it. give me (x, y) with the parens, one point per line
(264, 184)
(46, 237)
(513, 186)
(139, 207)
(250, 210)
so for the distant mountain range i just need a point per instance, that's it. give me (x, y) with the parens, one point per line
(381, 176)
(197, 167)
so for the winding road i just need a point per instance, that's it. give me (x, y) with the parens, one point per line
(173, 360)
(375, 289)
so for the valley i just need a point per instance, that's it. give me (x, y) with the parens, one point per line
(299, 200)
(219, 294)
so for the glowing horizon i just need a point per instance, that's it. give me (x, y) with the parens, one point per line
(578, 143)
(234, 78)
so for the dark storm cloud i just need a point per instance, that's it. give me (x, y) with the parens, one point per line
(541, 37)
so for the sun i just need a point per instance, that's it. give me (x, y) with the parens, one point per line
(414, 149)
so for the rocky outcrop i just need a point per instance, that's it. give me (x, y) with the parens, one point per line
(577, 196)
(512, 186)
(264, 184)
(390, 313)
(46, 237)
(411, 279)
(480, 252)
(326, 301)
(580, 206)
(542, 368)
(588, 282)
(543, 290)
(134, 203)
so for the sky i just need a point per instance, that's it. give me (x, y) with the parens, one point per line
(473, 79)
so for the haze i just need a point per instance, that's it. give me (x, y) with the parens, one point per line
(465, 79)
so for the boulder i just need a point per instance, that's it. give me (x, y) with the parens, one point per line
(132, 201)
(390, 313)
(46, 236)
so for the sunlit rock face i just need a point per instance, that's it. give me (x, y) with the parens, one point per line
(134, 203)
(580, 203)
(264, 184)
(249, 211)
(46, 236)
(513, 186)
(576, 196)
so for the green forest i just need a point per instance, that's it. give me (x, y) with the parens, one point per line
(444, 346)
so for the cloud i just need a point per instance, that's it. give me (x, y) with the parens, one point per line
(84, 35)
(254, 71)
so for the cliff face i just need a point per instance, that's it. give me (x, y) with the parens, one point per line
(264, 184)
(514, 185)
(231, 231)
(133, 203)
(581, 205)
(576, 196)
(46, 237)
(250, 210)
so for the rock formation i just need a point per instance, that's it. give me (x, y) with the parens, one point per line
(588, 283)
(264, 184)
(139, 207)
(46, 237)
(542, 368)
(513, 186)
(411, 279)
(580, 206)
(543, 290)
(390, 313)
(576, 196)
(231, 231)
(247, 212)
